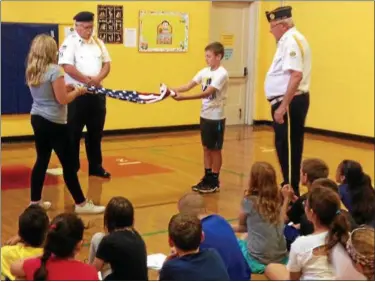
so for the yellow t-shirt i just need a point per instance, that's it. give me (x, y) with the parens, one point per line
(11, 254)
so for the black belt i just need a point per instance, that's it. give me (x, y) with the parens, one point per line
(277, 99)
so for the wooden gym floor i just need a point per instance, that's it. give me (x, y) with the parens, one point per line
(154, 171)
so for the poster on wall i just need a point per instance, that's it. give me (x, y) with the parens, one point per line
(161, 31)
(228, 41)
(130, 37)
(110, 24)
(228, 52)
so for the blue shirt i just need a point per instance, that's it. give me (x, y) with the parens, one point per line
(345, 196)
(206, 265)
(219, 235)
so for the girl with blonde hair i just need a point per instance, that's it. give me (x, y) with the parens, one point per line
(262, 217)
(356, 260)
(49, 121)
(361, 249)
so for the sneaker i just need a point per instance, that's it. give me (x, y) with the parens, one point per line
(210, 187)
(200, 185)
(89, 208)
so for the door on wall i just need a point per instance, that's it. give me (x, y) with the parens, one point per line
(230, 25)
(16, 39)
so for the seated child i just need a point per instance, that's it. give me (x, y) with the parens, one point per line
(32, 229)
(262, 217)
(356, 261)
(188, 262)
(63, 243)
(306, 225)
(122, 248)
(309, 255)
(95, 241)
(311, 170)
(356, 192)
(219, 235)
(328, 183)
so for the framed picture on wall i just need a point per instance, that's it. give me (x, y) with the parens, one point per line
(110, 23)
(161, 31)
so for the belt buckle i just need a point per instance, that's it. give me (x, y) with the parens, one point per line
(276, 100)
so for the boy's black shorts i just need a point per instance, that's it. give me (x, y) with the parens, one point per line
(212, 133)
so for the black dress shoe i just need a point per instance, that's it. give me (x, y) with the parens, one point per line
(100, 173)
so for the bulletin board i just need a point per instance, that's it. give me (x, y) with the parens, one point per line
(110, 24)
(161, 31)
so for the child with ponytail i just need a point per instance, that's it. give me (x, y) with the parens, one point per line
(63, 242)
(309, 257)
(356, 192)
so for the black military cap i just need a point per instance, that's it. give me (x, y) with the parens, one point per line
(279, 13)
(84, 17)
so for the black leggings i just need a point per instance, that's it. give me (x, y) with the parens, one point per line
(48, 136)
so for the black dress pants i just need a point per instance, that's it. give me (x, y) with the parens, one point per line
(88, 110)
(298, 109)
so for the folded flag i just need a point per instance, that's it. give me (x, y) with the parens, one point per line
(134, 96)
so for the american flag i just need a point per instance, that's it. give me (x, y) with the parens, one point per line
(134, 96)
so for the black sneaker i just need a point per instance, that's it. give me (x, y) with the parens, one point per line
(210, 187)
(200, 185)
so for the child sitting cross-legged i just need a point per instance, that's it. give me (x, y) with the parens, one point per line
(357, 260)
(218, 235)
(311, 169)
(356, 192)
(262, 217)
(64, 241)
(122, 248)
(32, 229)
(188, 262)
(309, 255)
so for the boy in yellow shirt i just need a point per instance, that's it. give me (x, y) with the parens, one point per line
(33, 225)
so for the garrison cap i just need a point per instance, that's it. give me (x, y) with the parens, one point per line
(280, 13)
(84, 17)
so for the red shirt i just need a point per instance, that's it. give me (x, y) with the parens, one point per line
(61, 269)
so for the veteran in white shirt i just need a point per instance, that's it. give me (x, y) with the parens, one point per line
(287, 86)
(86, 61)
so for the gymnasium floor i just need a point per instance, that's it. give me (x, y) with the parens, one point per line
(154, 171)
